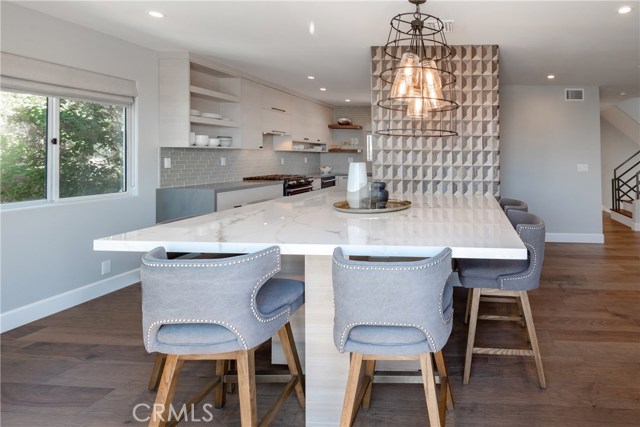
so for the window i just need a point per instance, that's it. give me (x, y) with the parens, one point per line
(55, 148)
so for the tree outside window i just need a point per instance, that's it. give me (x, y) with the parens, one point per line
(91, 148)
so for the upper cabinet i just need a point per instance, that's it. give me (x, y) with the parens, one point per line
(309, 130)
(198, 96)
(310, 122)
(276, 111)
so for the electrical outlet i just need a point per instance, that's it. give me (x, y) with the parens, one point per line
(282, 160)
(583, 167)
(305, 160)
(106, 267)
(223, 161)
(167, 162)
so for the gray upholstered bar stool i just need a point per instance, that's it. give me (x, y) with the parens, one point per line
(218, 309)
(495, 279)
(507, 205)
(393, 311)
(513, 204)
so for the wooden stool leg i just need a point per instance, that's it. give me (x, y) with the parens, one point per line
(473, 321)
(167, 388)
(291, 354)
(523, 322)
(220, 394)
(233, 369)
(442, 371)
(370, 372)
(156, 372)
(468, 309)
(247, 388)
(426, 365)
(524, 297)
(349, 408)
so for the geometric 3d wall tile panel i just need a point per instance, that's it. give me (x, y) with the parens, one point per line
(465, 164)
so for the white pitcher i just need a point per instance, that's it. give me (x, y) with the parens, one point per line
(357, 188)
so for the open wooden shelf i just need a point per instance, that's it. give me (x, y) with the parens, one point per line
(337, 126)
(345, 150)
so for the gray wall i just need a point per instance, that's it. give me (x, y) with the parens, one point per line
(542, 140)
(616, 148)
(47, 256)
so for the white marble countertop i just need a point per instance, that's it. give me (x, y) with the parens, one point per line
(307, 224)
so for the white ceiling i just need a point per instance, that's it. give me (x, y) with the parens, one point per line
(581, 42)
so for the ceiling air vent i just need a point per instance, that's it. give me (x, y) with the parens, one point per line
(574, 94)
(448, 25)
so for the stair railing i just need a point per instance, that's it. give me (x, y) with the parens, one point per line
(625, 185)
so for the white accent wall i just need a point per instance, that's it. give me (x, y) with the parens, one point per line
(543, 139)
(47, 258)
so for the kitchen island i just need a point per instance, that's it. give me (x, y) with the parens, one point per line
(308, 225)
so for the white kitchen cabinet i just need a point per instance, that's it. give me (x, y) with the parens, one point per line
(276, 122)
(188, 82)
(276, 100)
(236, 198)
(251, 104)
(309, 130)
(276, 111)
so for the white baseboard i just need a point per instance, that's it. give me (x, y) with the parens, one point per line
(575, 237)
(54, 304)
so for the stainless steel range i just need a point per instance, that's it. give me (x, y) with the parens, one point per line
(293, 184)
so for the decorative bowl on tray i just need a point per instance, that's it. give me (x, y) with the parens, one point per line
(325, 169)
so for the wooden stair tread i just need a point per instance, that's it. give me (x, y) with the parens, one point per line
(624, 212)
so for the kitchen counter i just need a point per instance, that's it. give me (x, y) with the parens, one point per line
(221, 187)
(173, 203)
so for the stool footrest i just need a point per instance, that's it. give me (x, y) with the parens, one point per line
(502, 351)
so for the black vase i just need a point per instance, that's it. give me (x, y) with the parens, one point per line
(379, 195)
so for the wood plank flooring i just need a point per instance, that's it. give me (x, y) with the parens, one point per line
(87, 366)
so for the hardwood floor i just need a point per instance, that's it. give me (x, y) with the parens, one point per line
(87, 366)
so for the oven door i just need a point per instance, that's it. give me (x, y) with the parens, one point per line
(298, 190)
(327, 181)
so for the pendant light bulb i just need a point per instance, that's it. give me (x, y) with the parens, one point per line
(407, 76)
(431, 85)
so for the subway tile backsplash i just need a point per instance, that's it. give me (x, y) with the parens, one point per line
(191, 166)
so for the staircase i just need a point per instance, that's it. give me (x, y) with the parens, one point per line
(625, 190)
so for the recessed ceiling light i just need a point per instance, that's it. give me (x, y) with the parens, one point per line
(324, 89)
(622, 93)
(347, 100)
(312, 28)
(624, 9)
(310, 77)
(551, 77)
(156, 14)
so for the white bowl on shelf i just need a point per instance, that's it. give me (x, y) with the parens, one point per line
(202, 140)
(214, 142)
(225, 142)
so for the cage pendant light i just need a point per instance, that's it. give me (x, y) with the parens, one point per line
(419, 84)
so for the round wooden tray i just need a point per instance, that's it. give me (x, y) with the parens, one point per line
(393, 205)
